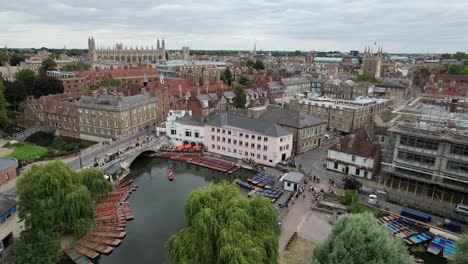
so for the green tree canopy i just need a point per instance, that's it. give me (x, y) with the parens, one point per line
(36, 247)
(240, 98)
(357, 238)
(259, 65)
(464, 71)
(47, 65)
(250, 63)
(460, 55)
(3, 106)
(15, 93)
(110, 82)
(297, 53)
(52, 199)
(454, 69)
(226, 76)
(462, 250)
(94, 180)
(222, 226)
(26, 77)
(45, 85)
(243, 80)
(76, 67)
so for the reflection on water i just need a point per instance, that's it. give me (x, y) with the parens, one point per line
(158, 207)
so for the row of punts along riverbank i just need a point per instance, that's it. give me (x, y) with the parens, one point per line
(112, 213)
(260, 184)
(199, 160)
(399, 227)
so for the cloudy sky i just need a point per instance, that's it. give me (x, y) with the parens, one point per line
(399, 25)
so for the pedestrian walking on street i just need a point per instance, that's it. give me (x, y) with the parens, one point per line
(303, 197)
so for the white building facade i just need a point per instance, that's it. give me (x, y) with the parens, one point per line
(350, 164)
(182, 127)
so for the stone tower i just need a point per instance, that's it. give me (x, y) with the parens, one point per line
(185, 53)
(163, 50)
(372, 62)
(92, 55)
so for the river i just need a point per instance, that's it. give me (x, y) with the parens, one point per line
(158, 207)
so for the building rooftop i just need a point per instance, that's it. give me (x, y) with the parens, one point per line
(251, 124)
(289, 117)
(111, 100)
(295, 177)
(359, 144)
(190, 120)
(6, 204)
(6, 163)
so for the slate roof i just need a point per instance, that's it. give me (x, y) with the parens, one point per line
(6, 204)
(6, 163)
(247, 123)
(294, 81)
(275, 87)
(109, 100)
(294, 177)
(190, 120)
(229, 94)
(336, 82)
(358, 144)
(289, 117)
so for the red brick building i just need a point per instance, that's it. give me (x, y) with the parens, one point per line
(8, 169)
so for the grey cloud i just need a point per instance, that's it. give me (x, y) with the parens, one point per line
(401, 26)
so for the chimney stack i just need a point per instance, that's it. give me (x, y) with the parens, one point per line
(180, 90)
(94, 95)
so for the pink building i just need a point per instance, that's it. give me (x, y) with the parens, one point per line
(241, 137)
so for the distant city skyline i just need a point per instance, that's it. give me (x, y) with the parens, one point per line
(418, 26)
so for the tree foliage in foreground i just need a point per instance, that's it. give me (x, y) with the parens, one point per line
(3, 105)
(54, 199)
(462, 251)
(240, 98)
(37, 248)
(222, 226)
(45, 85)
(357, 238)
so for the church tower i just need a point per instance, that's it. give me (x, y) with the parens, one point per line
(92, 56)
(372, 63)
(163, 50)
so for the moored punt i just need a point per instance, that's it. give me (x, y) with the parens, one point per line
(86, 251)
(96, 246)
(115, 234)
(436, 245)
(77, 257)
(104, 240)
(109, 227)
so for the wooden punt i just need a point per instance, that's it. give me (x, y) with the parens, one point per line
(86, 251)
(105, 240)
(115, 234)
(96, 246)
(109, 227)
(77, 257)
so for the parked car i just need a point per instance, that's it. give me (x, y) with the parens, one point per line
(281, 167)
(462, 209)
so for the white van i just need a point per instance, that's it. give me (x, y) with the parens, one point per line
(373, 199)
(462, 209)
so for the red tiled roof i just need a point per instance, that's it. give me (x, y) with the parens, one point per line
(451, 77)
(118, 73)
(358, 144)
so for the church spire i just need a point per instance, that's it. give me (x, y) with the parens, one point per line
(158, 45)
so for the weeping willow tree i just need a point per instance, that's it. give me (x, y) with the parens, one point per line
(53, 199)
(224, 227)
(357, 238)
(94, 180)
